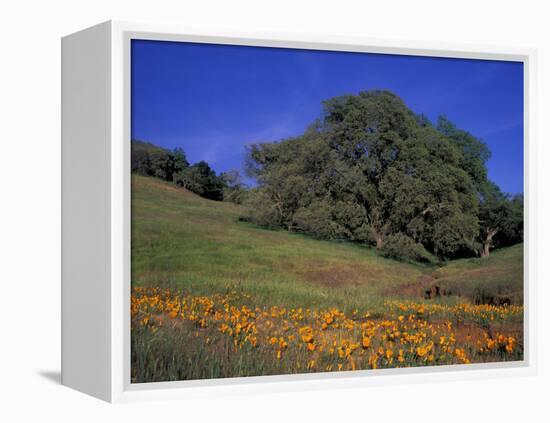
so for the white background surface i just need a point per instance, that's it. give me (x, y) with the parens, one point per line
(30, 34)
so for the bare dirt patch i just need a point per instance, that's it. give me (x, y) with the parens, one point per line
(414, 289)
(340, 274)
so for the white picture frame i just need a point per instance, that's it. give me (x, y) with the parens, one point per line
(96, 213)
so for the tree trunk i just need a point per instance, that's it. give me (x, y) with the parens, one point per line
(378, 230)
(486, 251)
(379, 236)
(279, 206)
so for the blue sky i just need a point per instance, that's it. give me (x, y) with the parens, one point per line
(212, 100)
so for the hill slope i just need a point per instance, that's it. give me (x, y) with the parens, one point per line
(259, 302)
(498, 276)
(182, 240)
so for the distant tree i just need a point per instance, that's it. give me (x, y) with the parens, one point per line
(148, 159)
(162, 165)
(501, 219)
(202, 180)
(500, 215)
(232, 178)
(513, 232)
(180, 160)
(151, 160)
(181, 166)
(234, 189)
(140, 158)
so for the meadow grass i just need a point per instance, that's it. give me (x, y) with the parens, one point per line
(499, 275)
(180, 336)
(182, 240)
(185, 241)
(195, 248)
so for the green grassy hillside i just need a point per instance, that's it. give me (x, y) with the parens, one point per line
(500, 276)
(245, 301)
(184, 241)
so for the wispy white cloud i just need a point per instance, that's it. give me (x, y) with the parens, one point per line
(500, 128)
(217, 145)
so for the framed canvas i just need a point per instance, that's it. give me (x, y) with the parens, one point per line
(271, 212)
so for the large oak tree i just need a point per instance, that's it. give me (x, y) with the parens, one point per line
(367, 169)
